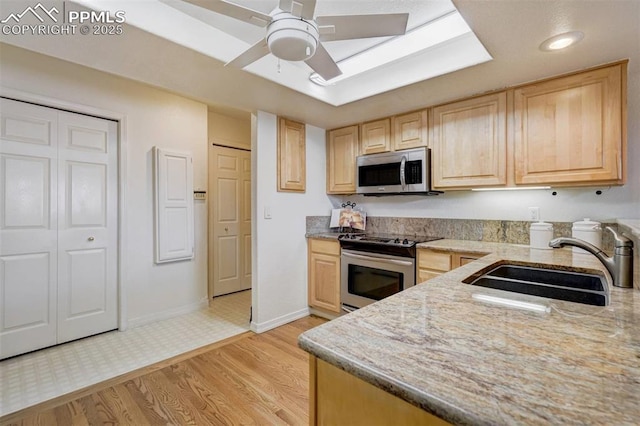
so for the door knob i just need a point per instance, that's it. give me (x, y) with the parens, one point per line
(91, 238)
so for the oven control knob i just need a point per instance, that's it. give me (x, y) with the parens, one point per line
(396, 241)
(405, 241)
(353, 236)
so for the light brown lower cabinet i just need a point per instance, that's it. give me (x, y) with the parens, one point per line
(432, 263)
(339, 398)
(324, 274)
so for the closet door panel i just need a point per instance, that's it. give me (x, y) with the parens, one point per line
(87, 226)
(28, 227)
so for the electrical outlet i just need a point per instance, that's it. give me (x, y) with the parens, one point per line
(534, 213)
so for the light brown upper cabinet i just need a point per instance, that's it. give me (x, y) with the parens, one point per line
(410, 130)
(571, 130)
(376, 137)
(342, 150)
(469, 143)
(291, 156)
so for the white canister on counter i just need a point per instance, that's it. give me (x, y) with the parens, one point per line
(587, 230)
(540, 233)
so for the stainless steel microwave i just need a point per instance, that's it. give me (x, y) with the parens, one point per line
(393, 173)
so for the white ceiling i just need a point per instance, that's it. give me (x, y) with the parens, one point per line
(510, 30)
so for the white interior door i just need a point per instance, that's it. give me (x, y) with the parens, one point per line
(87, 226)
(28, 227)
(230, 219)
(58, 227)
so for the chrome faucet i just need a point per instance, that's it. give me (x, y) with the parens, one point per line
(620, 266)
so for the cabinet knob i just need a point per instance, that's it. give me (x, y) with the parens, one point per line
(91, 238)
(226, 229)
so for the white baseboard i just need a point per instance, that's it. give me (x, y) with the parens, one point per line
(277, 322)
(169, 313)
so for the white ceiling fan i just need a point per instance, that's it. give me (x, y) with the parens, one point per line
(294, 35)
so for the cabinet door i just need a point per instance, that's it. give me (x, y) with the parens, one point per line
(376, 137)
(469, 143)
(342, 150)
(324, 281)
(291, 156)
(410, 130)
(569, 130)
(432, 264)
(339, 398)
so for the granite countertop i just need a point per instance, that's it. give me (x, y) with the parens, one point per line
(471, 362)
(324, 235)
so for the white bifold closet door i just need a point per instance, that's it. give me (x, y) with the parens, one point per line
(58, 227)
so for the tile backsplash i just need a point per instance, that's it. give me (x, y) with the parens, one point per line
(500, 231)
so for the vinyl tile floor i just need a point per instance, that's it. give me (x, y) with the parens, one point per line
(48, 373)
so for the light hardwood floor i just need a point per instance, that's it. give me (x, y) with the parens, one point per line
(248, 379)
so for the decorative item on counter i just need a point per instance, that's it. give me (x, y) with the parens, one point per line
(335, 218)
(587, 230)
(540, 233)
(348, 218)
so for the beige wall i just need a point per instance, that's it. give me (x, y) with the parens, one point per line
(152, 117)
(229, 131)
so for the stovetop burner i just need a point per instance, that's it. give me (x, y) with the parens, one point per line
(386, 239)
(400, 245)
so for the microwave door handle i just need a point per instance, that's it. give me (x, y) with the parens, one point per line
(403, 179)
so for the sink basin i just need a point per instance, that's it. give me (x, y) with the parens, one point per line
(571, 286)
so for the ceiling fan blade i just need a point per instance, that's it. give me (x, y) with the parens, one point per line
(286, 5)
(322, 63)
(250, 55)
(348, 27)
(234, 11)
(301, 8)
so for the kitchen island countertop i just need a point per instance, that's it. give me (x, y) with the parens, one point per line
(470, 362)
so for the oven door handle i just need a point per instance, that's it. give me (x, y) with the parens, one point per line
(378, 259)
(348, 309)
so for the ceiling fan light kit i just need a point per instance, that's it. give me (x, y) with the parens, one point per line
(294, 34)
(291, 38)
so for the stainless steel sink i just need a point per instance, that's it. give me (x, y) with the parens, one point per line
(571, 286)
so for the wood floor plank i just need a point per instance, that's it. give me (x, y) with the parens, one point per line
(173, 399)
(260, 373)
(242, 396)
(128, 408)
(255, 379)
(215, 406)
(71, 414)
(152, 408)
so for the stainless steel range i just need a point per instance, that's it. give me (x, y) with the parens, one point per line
(376, 266)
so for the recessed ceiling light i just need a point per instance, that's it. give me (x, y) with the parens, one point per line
(561, 41)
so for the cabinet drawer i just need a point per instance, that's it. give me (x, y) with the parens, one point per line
(425, 275)
(464, 259)
(324, 246)
(428, 259)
